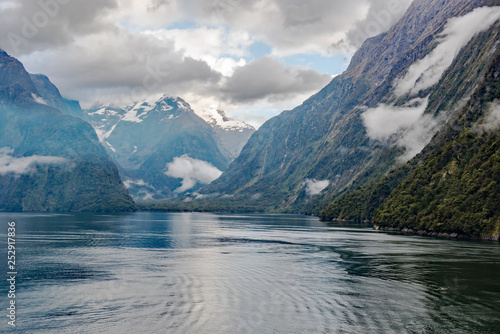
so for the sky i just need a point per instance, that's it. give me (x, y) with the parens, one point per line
(251, 58)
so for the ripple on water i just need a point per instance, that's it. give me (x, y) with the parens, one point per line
(160, 273)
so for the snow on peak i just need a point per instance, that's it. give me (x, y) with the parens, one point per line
(138, 111)
(217, 117)
(38, 99)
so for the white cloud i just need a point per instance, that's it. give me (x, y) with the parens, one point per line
(384, 121)
(418, 136)
(315, 187)
(492, 119)
(457, 33)
(405, 126)
(191, 171)
(128, 183)
(222, 49)
(24, 165)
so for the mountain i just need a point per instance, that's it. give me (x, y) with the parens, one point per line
(400, 89)
(50, 95)
(50, 161)
(231, 135)
(164, 148)
(456, 188)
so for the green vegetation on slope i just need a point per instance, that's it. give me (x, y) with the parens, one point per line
(88, 181)
(472, 65)
(456, 191)
(457, 188)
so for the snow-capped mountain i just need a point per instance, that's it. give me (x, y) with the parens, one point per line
(232, 134)
(218, 118)
(147, 137)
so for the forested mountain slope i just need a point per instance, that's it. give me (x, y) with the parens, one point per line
(399, 90)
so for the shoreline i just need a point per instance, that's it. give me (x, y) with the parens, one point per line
(442, 235)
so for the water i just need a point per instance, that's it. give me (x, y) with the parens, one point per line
(204, 273)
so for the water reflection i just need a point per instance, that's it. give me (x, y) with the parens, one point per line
(202, 273)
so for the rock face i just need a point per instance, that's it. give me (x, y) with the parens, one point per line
(377, 115)
(149, 136)
(51, 96)
(50, 161)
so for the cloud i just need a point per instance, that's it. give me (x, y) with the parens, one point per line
(117, 51)
(315, 187)
(379, 17)
(407, 126)
(222, 48)
(128, 183)
(29, 26)
(385, 121)
(191, 171)
(140, 190)
(266, 78)
(457, 33)
(418, 136)
(122, 67)
(295, 26)
(404, 126)
(492, 119)
(24, 165)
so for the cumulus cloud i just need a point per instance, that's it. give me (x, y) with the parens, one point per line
(29, 26)
(223, 49)
(129, 66)
(315, 187)
(385, 120)
(191, 171)
(115, 51)
(24, 165)
(295, 26)
(457, 33)
(268, 78)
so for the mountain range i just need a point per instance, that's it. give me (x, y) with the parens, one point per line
(407, 137)
(356, 148)
(55, 156)
(145, 137)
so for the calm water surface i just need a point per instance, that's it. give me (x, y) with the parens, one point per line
(204, 273)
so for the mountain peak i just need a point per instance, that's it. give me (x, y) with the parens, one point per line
(217, 117)
(166, 105)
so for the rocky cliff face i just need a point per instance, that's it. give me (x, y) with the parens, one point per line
(380, 113)
(50, 161)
